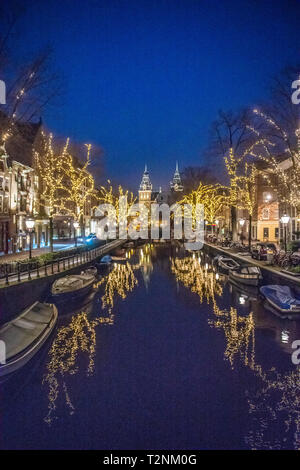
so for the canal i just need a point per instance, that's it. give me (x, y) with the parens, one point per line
(165, 354)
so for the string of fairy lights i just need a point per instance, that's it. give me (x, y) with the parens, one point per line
(284, 180)
(212, 197)
(66, 187)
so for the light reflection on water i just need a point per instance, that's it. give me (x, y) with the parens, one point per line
(283, 390)
(272, 394)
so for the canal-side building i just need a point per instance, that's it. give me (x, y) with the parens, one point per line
(20, 196)
(147, 195)
(18, 187)
(265, 226)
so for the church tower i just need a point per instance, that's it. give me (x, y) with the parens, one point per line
(176, 184)
(145, 190)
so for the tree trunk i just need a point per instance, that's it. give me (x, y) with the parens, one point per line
(82, 226)
(250, 231)
(233, 223)
(51, 232)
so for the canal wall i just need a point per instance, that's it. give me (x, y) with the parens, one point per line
(270, 274)
(17, 297)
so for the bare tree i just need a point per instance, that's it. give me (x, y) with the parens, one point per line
(231, 133)
(29, 87)
(193, 175)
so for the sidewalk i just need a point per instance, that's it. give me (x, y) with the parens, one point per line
(21, 255)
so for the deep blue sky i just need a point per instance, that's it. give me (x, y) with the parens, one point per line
(144, 79)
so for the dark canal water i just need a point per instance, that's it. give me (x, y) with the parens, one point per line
(166, 355)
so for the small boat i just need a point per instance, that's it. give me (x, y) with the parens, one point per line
(129, 244)
(106, 259)
(104, 264)
(227, 264)
(282, 298)
(119, 258)
(72, 286)
(92, 271)
(250, 275)
(24, 336)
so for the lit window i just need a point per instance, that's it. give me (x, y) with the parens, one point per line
(266, 213)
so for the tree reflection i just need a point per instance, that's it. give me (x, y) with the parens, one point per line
(275, 406)
(118, 283)
(78, 338)
(199, 278)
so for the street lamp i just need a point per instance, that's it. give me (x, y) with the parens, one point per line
(30, 226)
(285, 220)
(242, 223)
(268, 197)
(75, 225)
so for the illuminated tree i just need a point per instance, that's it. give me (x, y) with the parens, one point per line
(280, 152)
(78, 186)
(242, 186)
(50, 167)
(107, 195)
(210, 196)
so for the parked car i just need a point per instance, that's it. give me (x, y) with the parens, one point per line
(89, 239)
(261, 250)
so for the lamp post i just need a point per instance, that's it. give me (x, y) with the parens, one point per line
(242, 223)
(285, 220)
(30, 226)
(217, 225)
(75, 225)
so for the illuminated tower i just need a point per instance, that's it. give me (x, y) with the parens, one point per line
(145, 190)
(176, 184)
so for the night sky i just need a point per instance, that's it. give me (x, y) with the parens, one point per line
(144, 79)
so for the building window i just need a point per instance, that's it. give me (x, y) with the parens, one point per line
(266, 213)
(266, 232)
(276, 232)
(5, 207)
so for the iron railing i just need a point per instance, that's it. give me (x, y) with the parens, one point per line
(17, 272)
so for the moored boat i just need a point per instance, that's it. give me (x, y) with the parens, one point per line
(250, 275)
(104, 264)
(92, 270)
(119, 258)
(227, 264)
(72, 286)
(24, 336)
(107, 259)
(282, 298)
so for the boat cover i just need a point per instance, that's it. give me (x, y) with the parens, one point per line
(72, 282)
(283, 296)
(106, 259)
(19, 334)
(250, 270)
